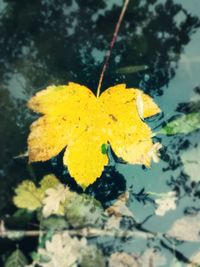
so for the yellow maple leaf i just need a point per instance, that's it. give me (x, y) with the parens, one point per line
(73, 117)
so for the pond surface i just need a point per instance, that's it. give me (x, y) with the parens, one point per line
(45, 42)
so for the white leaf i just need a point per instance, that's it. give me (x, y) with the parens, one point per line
(152, 257)
(113, 223)
(122, 259)
(54, 197)
(62, 251)
(166, 203)
(187, 228)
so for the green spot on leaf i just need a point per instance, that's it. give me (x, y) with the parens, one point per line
(104, 148)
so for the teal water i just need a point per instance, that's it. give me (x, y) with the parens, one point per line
(52, 42)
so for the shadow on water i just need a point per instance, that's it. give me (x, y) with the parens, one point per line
(44, 42)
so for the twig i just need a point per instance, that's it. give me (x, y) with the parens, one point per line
(112, 45)
(83, 232)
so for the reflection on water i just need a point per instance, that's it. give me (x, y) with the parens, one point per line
(45, 42)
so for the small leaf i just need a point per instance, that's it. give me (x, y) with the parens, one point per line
(16, 259)
(27, 196)
(183, 124)
(91, 256)
(54, 223)
(119, 208)
(48, 181)
(152, 257)
(84, 210)
(186, 228)
(54, 197)
(166, 203)
(122, 259)
(61, 251)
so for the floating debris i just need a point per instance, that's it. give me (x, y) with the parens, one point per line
(132, 69)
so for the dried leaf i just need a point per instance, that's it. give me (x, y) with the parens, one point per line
(112, 223)
(183, 124)
(74, 118)
(28, 196)
(122, 259)
(119, 208)
(165, 203)
(186, 228)
(62, 251)
(152, 257)
(53, 199)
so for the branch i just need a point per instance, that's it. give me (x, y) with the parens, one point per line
(83, 232)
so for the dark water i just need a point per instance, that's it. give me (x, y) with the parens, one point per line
(44, 42)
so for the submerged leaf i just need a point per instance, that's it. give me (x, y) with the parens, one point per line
(16, 259)
(186, 228)
(54, 223)
(84, 210)
(183, 124)
(75, 118)
(53, 199)
(62, 251)
(122, 259)
(152, 257)
(132, 69)
(91, 256)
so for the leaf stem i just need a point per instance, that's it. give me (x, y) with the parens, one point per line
(112, 45)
